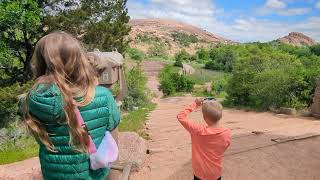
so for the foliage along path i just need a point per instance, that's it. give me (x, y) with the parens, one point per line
(294, 153)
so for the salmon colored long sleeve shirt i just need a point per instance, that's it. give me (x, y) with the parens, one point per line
(208, 145)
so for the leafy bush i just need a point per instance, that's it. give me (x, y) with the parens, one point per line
(202, 55)
(181, 57)
(135, 54)
(219, 85)
(184, 39)
(268, 79)
(157, 50)
(315, 49)
(8, 102)
(221, 59)
(147, 38)
(137, 94)
(172, 82)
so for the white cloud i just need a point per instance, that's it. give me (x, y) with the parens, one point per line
(318, 5)
(203, 13)
(280, 7)
(275, 4)
(294, 11)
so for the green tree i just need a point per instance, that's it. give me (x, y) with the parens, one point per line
(202, 55)
(99, 24)
(315, 49)
(20, 28)
(222, 59)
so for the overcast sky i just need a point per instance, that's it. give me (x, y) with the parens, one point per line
(238, 20)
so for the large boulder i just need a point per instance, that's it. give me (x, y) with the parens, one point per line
(187, 69)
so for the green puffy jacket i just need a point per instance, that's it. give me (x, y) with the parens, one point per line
(101, 115)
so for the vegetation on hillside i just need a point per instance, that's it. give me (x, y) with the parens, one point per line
(184, 39)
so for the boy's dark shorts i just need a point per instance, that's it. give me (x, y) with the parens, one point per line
(196, 178)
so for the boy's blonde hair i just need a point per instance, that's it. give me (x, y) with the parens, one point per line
(213, 110)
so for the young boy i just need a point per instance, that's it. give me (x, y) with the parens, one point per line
(208, 142)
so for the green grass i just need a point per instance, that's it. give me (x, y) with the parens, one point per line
(134, 121)
(22, 149)
(202, 76)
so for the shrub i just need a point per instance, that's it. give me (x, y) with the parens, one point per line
(171, 81)
(219, 85)
(202, 55)
(147, 38)
(9, 100)
(184, 39)
(315, 49)
(181, 57)
(137, 94)
(157, 50)
(135, 54)
(221, 59)
(265, 79)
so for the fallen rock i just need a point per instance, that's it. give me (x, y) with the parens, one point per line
(187, 69)
(288, 111)
(283, 110)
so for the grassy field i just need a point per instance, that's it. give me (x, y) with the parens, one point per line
(134, 121)
(202, 75)
(22, 149)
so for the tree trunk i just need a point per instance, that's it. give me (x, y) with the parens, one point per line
(27, 70)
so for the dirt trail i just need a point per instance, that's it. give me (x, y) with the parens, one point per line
(152, 69)
(251, 156)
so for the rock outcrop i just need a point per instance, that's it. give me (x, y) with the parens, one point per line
(162, 30)
(297, 39)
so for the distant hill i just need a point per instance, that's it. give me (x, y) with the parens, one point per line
(172, 35)
(297, 39)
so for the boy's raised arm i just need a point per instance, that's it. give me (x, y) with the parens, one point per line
(187, 124)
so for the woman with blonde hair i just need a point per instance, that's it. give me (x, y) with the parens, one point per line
(64, 80)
